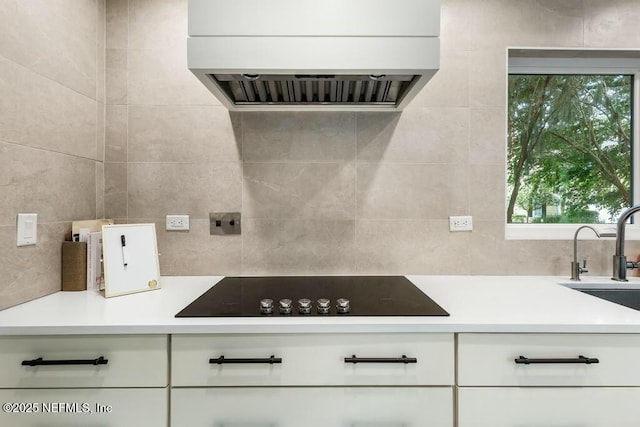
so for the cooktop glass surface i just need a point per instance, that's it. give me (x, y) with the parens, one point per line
(362, 296)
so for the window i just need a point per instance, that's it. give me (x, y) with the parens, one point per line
(570, 141)
(569, 147)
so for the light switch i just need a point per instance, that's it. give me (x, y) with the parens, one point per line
(27, 229)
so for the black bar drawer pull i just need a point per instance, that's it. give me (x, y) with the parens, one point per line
(404, 359)
(40, 362)
(579, 359)
(270, 360)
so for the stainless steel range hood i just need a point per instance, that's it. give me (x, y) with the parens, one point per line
(302, 55)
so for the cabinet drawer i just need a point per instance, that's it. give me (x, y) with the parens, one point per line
(84, 407)
(558, 407)
(132, 361)
(300, 406)
(489, 359)
(316, 359)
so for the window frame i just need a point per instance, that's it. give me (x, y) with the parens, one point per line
(575, 61)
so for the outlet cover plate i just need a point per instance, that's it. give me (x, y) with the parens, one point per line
(26, 229)
(460, 223)
(177, 222)
(222, 223)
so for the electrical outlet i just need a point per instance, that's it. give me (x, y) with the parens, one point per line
(177, 222)
(460, 223)
(221, 223)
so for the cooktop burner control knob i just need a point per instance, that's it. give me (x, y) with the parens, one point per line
(343, 306)
(285, 306)
(266, 306)
(304, 306)
(324, 306)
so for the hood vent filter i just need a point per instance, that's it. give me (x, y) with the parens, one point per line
(309, 89)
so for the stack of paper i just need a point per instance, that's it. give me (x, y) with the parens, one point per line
(90, 231)
(95, 276)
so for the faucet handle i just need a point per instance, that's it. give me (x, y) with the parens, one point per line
(633, 265)
(584, 268)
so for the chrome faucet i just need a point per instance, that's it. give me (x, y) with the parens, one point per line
(576, 270)
(620, 264)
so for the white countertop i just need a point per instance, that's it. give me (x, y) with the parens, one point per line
(475, 303)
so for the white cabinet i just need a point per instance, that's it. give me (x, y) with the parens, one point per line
(313, 406)
(313, 359)
(549, 407)
(106, 381)
(586, 380)
(489, 359)
(103, 407)
(127, 361)
(317, 379)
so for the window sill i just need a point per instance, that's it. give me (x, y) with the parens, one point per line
(564, 231)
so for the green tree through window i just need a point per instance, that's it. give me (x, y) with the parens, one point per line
(569, 148)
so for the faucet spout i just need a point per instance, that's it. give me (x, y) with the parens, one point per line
(619, 259)
(576, 270)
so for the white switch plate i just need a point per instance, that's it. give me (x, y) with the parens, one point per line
(460, 223)
(27, 229)
(177, 222)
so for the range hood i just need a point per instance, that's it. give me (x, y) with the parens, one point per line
(293, 55)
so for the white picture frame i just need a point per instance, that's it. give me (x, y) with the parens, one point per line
(132, 267)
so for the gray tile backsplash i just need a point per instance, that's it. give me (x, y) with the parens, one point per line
(116, 70)
(487, 130)
(324, 191)
(180, 133)
(298, 247)
(158, 189)
(298, 137)
(57, 41)
(116, 133)
(103, 118)
(411, 191)
(160, 77)
(58, 187)
(397, 246)
(609, 24)
(117, 24)
(195, 252)
(487, 200)
(115, 189)
(52, 134)
(29, 272)
(42, 113)
(417, 135)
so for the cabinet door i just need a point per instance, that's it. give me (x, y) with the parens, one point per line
(313, 359)
(549, 407)
(322, 406)
(131, 361)
(490, 360)
(84, 407)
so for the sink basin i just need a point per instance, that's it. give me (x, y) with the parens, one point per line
(627, 297)
(626, 294)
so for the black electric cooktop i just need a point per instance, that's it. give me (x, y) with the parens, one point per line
(313, 296)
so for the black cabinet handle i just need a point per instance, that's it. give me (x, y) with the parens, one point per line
(579, 359)
(270, 360)
(404, 359)
(40, 362)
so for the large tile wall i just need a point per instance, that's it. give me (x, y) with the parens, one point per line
(336, 193)
(100, 117)
(51, 133)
